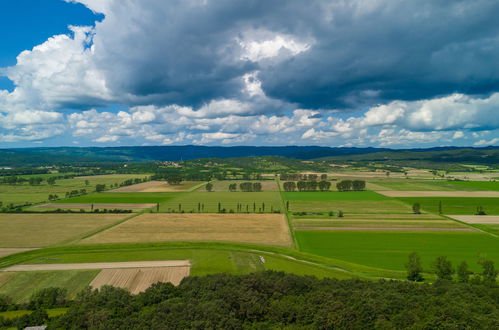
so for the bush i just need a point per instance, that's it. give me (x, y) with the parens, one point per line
(48, 298)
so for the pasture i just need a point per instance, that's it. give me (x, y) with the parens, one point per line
(437, 193)
(25, 193)
(352, 202)
(455, 205)
(389, 250)
(208, 202)
(415, 185)
(271, 229)
(39, 230)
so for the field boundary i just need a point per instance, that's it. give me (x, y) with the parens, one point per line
(103, 229)
(98, 265)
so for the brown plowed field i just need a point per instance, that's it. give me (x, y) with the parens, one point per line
(269, 229)
(397, 193)
(137, 280)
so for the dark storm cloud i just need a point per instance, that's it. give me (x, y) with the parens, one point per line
(377, 51)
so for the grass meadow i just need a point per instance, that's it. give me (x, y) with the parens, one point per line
(455, 205)
(265, 202)
(24, 193)
(390, 250)
(21, 285)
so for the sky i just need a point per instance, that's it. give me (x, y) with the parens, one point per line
(378, 73)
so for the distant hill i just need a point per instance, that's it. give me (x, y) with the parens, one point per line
(487, 155)
(72, 155)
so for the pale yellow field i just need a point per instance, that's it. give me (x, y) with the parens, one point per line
(137, 280)
(88, 206)
(39, 230)
(478, 219)
(269, 229)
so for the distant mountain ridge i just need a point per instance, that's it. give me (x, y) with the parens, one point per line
(70, 155)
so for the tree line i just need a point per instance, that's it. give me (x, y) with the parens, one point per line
(301, 177)
(272, 300)
(444, 270)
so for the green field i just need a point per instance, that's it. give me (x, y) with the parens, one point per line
(455, 205)
(476, 185)
(252, 201)
(416, 185)
(334, 196)
(21, 285)
(364, 202)
(25, 193)
(122, 197)
(389, 250)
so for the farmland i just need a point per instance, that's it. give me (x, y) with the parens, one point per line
(25, 193)
(121, 198)
(248, 201)
(455, 205)
(39, 230)
(239, 232)
(268, 229)
(389, 250)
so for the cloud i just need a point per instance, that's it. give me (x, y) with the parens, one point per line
(232, 71)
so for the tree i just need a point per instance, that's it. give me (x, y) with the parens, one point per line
(323, 177)
(100, 187)
(289, 186)
(232, 187)
(344, 185)
(340, 214)
(358, 185)
(257, 186)
(48, 298)
(209, 186)
(87, 182)
(443, 268)
(174, 179)
(414, 268)
(489, 273)
(463, 273)
(301, 185)
(51, 180)
(440, 207)
(324, 185)
(416, 208)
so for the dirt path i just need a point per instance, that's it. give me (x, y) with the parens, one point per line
(8, 251)
(396, 193)
(383, 229)
(100, 265)
(123, 206)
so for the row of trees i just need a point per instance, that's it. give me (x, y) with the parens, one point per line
(349, 185)
(306, 185)
(244, 186)
(442, 267)
(302, 177)
(32, 181)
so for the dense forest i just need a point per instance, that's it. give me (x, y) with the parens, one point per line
(271, 300)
